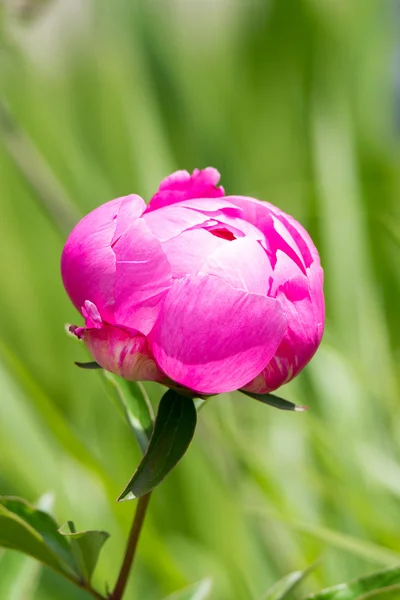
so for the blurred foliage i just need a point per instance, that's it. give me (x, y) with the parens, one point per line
(294, 101)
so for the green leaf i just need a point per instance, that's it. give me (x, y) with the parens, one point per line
(199, 591)
(85, 546)
(88, 365)
(276, 401)
(34, 532)
(173, 430)
(20, 573)
(282, 588)
(134, 404)
(362, 588)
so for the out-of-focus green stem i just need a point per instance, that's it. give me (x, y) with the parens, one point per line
(52, 195)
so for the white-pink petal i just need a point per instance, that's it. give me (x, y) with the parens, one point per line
(143, 277)
(242, 263)
(88, 262)
(187, 252)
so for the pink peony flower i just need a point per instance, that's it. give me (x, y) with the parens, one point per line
(211, 292)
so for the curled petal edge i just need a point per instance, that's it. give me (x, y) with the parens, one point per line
(125, 353)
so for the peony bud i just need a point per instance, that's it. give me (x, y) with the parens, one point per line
(211, 292)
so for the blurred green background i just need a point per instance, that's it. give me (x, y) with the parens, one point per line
(294, 101)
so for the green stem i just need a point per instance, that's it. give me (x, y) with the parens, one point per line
(131, 547)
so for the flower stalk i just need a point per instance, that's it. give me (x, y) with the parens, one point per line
(131, 546)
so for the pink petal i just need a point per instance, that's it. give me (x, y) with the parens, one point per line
(316, 279)
(92, 316)
(238, 226)
(211, 205)
(124, 353)
(200, 180)
(171, 221)
(187, 252)
(130, 210)
(143, 277)
(254, 211)
(301, 340)
(88, 262)
(279, 239)
(213, 338)
(285, 269)
(302, 237)
(181, 186)
(260, 213)
(242, 263)
(297, 284)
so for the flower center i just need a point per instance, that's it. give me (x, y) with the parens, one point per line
(223, 233)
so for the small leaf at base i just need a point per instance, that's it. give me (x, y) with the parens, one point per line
(85, 546)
